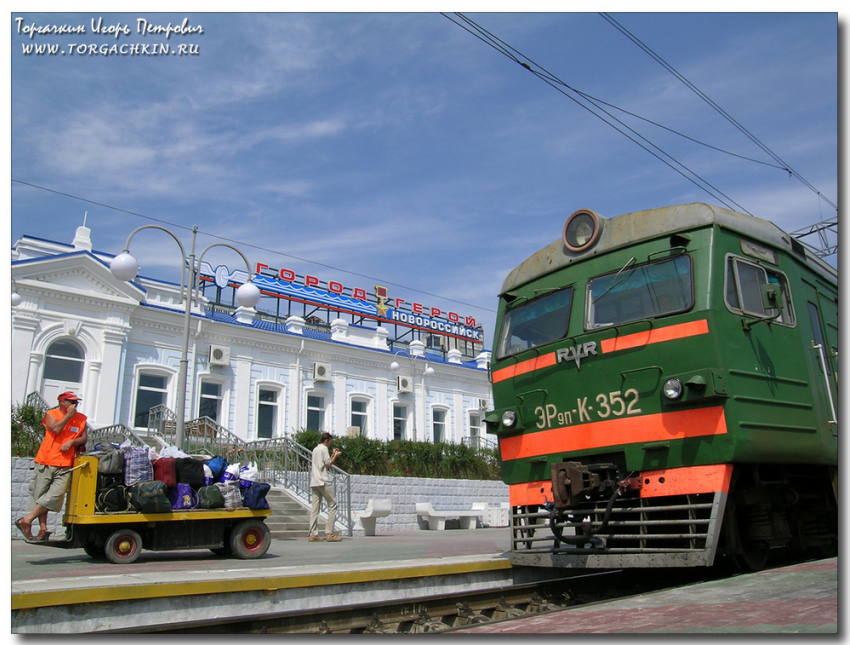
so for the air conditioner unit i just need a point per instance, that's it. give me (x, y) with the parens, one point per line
(321, 372)
(482, 404)
(219, 355)
(405, 384)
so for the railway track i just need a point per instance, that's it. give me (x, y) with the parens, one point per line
(446, 613)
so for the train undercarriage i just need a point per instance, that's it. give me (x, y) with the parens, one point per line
(599, 519)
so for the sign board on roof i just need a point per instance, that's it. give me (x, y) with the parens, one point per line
(284, 283)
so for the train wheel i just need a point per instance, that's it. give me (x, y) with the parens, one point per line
(250, 539)
(123, 546)
(750, 554)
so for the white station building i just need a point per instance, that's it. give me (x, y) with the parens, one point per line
(311, 354)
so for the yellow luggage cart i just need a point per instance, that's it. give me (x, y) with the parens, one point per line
(120, 537)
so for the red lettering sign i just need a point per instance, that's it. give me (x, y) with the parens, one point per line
(287, 275)
(470, 321)
(311, 281)
(435, 312)
(417, 308)
(453, 317)
(399, 302)
(335, 287)
(359, 294)
(260, 268)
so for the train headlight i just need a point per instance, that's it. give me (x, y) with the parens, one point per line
(509, 418)
(672, 389)
(582, 230)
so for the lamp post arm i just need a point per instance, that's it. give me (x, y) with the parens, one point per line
(182, 251)
(201, 257)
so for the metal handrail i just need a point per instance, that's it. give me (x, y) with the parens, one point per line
(480, 443)
(116, 434)
(281, 461)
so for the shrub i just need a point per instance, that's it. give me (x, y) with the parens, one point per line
(362, 456)
(27, 430)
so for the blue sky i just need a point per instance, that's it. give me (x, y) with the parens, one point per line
(398, 149)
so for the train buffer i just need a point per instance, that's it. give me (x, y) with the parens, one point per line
(436, 520)
(374, 509)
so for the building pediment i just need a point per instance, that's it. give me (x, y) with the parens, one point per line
(79, 274)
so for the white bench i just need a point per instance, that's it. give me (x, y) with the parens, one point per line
(374, 509)
(437, 519)
(494, 515)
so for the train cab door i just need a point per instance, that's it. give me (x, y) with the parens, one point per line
(821, 341)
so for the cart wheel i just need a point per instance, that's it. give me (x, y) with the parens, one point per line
(250, 539)
(94, 551)
(123, 547)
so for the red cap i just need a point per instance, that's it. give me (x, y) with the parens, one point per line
(68, 396)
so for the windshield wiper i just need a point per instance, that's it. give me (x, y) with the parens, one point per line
(614, 282)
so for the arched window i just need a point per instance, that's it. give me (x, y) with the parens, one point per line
(360, 416)
(151, 391)
(64, 361)
(438, 425)
(269, 404)
(399, 422)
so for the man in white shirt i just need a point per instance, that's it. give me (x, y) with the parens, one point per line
(322, 487)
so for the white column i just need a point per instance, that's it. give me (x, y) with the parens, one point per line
(24, 369)
(103, 389)
(243, 395)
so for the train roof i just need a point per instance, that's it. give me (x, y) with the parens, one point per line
(629, 228)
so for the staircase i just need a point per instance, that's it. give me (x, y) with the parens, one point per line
(289, 518)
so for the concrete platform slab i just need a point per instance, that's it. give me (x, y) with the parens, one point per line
(799, 599)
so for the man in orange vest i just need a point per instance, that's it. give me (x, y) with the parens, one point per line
(65, 432)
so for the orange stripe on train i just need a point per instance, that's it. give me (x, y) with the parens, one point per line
(640, 339)
(656, 483)
(658, 335)
(664, 426)
(524, 367)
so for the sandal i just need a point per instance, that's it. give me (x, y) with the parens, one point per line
(42, 536)
(22, 526)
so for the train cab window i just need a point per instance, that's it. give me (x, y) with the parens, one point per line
(535, 322)
(637, 292)
(744, 281)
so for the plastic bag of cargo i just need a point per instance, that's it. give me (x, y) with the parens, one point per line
(248, 474)
(230, 474)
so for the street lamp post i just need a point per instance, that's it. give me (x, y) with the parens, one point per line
(125, 267)
(417, 351)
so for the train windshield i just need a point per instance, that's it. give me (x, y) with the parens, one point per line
(646, 291)
(534, 323)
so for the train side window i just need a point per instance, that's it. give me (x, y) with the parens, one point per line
(744, 281)
(535, 322)
(645, 291)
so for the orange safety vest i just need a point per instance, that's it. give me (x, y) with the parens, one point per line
(49, 452)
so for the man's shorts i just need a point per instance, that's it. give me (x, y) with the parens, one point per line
(48, 486)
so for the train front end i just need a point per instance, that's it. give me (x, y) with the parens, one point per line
(610, 373)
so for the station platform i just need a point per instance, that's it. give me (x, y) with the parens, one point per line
(798, 599)
(64, 591)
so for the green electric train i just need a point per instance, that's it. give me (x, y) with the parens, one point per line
(665, 393)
